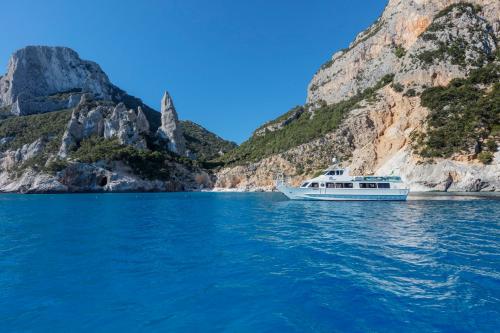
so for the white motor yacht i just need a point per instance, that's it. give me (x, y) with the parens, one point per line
(336, 184)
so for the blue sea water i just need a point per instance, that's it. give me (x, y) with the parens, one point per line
(208, 262)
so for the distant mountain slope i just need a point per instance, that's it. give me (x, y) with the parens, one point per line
(203, 143)
(416, 94)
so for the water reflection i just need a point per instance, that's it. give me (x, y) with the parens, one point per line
(406, 249)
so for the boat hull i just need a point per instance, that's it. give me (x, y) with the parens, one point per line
(344, 195)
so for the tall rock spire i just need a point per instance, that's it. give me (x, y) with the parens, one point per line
(170, 129)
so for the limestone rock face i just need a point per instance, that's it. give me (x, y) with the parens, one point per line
(41, 79)
(374, 53)
(82, 177)
(170, 131)
(11, 158)
(129, 126)
(107, 121)
(31, 182)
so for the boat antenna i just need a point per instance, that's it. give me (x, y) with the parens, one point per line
(334, 160)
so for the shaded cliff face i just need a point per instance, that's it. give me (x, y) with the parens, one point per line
(392, 104)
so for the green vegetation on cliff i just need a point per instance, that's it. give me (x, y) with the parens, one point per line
(307, 127)
(400, 51)
(144, 163)
(461, 7)
(205, 144)
(464, 115)
(456, 49)
(292, 113)
(18, 131)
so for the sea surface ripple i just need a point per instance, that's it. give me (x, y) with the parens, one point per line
(233, 262)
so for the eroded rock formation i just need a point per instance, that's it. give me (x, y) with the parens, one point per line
(107, 121)
(170, 131)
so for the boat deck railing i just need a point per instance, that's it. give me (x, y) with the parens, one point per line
(378, 179)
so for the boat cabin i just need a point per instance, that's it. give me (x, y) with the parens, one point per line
(337, 178)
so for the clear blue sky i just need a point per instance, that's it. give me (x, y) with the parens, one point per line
(230, 65)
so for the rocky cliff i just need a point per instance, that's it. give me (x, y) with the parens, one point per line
(414, 95)
(397, 38)
(65, 128)
(41, 79)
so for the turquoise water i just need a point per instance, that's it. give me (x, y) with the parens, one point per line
(202, 262)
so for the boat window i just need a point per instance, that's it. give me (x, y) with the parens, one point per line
(339, 185)
(315, 185)
(335, 173)
(305, 184)
(368, 185)
(330, 185)
(322, 184)
(347, 185)
(384, 185)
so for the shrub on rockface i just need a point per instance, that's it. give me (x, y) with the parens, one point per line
(485, 157)
(462, 115)
(145, 163)
(27, 129)
(491, 145)
(410, 93)
(461, 49)
(400, 51)
(398, 87)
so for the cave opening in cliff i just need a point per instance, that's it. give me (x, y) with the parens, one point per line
(103, 181)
